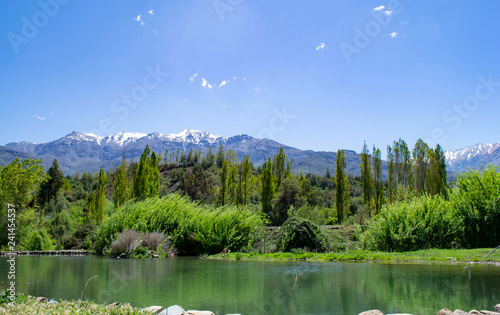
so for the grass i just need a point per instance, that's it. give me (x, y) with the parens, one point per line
(430, 255)
(25, 304)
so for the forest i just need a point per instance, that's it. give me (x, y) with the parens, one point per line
(195, 203)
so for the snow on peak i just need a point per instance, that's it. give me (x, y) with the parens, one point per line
(192, 136)
(124, 138)
(469, 153)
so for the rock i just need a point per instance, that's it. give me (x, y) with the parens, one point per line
(497, 308)
(154, 309)
(114, 304)
(52, 301)
(489, 313)
(173, 310)
(460, 312)
(474, 312)
(445, 311)
(198, 313)
(372, 312)
(41, 299)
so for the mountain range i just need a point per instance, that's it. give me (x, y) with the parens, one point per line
(77, 152)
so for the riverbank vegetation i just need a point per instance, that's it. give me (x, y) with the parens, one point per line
(25, 304)
(194, 203)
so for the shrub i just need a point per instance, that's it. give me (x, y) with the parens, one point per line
(423, 223)
(476, 199)
(126, 242)
(194, 229)
(38, 239)
(300, 233)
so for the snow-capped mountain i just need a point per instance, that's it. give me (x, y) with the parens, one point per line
(77, 152)
(475, 157)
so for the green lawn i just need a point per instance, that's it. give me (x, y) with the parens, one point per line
(430, 255)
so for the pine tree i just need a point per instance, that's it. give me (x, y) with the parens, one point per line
(220, 156)
(341, 188)
(50, 188)
(328, 175)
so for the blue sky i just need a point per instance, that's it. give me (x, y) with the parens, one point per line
(318, 75)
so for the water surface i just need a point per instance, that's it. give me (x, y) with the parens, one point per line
(252, 287)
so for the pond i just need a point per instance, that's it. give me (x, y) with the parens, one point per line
(253, 287)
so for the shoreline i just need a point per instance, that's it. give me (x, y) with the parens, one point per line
(432, 256)
(63, 252)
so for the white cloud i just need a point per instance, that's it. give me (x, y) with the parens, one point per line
(36, 116)
(223, 83)
(204, 83)
(151, 12)
(139, 19)
(191, 79)
(388, 12)
(379, 8)
(393, 35)
(154, 31)
(234, 78)
(404, 23)
(321, 46)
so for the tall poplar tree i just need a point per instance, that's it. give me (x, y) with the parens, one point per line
(378, 187)
(391, 179)
(147, 176)
(268, 189)
(341, 188)
(121, 185)
(366, 178)
(421, 161)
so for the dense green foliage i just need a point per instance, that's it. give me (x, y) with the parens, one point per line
(341, 188)
(205, 202)
(297, 233)
(469, 218)
(194, 229)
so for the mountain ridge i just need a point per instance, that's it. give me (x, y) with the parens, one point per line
(77, 152)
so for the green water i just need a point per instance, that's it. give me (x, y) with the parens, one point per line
(249, 287)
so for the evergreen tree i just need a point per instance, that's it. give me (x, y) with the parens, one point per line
(328, 175)
(50, 188)
(341, 188)
(220, 156)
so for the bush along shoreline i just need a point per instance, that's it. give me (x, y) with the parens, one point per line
(27, 304)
